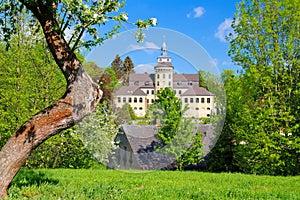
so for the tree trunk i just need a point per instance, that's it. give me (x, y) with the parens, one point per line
(80, 99)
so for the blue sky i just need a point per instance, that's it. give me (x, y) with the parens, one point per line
(192, 29)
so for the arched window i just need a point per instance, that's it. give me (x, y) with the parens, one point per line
(129, 99)
(124, 99)
(135, 100)
(141, 100)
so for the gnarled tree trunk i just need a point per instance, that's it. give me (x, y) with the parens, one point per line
(80, 99)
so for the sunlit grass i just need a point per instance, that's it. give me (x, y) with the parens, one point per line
(110, 184)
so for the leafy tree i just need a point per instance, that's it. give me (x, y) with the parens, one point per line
(98, 131)
(171, 107)
(109, 83)
(178, 135)
(117, 65)
(82, 94)
(93, 70)
(202, 81)
(265, 126)
(128, 68)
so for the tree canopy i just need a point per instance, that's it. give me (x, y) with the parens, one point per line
(262, 121)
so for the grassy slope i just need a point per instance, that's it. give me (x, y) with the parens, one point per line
(109, 184)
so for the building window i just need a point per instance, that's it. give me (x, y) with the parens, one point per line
(169, 83)
(191, 100)
(168, 59)
(135, 100)
(147, 83)
(136, 83)
(147, 91)
(208, 115)
(157, 83)
(130, 100)
(140, 108)
(157, 76)
(179, 91)
(179, 83)
(147, 100)
(160, 59)
(208, 100)
(170, 76)
(208, 108)
(190, 83)
(197, 100)
(135, 108)
(175, 92)
(141, 100)
(202, 100)
(119, 99)
(164, 76)
(124, 99)
(152, 91)
(197, 108)
(185, 100)
(152, 100)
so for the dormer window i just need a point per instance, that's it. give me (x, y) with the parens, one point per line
(179, 83)
(147, 83)
(136, 83)
(190, 83)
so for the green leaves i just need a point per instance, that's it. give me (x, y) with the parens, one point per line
(262, 113)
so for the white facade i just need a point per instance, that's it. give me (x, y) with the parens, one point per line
(142, 89)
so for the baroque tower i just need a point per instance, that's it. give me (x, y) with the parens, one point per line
(163, 70)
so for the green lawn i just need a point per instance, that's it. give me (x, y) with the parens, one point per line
(109, 184)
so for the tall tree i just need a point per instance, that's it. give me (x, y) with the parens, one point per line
(179, 135)
(128, 68)
(266, 44)
(117, 65)
(82, 94)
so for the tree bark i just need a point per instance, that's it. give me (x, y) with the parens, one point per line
(80, 99)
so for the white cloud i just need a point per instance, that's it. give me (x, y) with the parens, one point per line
(143, 68)
(145, 45)
(223, 30)
(196, 13)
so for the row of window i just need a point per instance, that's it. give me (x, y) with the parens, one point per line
(137, 83)
(190, 83)
(169, 83)
(196, 100)
(134, 100)
(148, 91)
(130, 100)
(163, 70)
(164, 76)
(206, 108)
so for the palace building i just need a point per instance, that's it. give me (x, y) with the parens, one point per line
(142, 89)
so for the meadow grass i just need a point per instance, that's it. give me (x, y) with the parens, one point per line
(113, 184)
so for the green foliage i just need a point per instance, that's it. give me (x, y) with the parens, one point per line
(76, 19)
(97, 132)
(168, 109)
(64, 150)
(128, 68)
(93, 70)
(178, 135)
(123, 68)
(116, 65)
(262, 123)
(29, 79)
(108, 83)
(202, 81)
(113, 184)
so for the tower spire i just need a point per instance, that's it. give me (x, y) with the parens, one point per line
(164, 48)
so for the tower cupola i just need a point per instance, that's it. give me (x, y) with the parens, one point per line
(163, 70)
